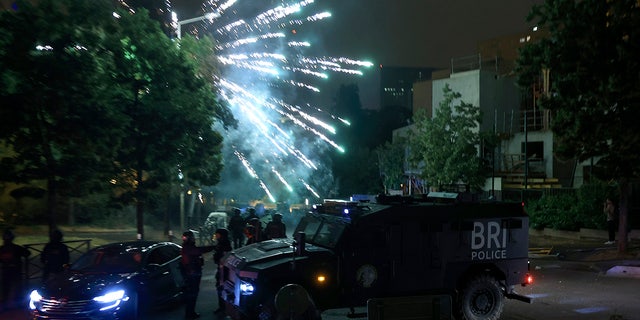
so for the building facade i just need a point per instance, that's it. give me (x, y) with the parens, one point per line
(525, 157)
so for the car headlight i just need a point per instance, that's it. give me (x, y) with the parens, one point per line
(246, 288)
(110, 299)
(34, 297)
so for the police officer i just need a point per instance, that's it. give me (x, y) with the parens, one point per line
(223, 245)
(257, 230)
(55, 255)
(11, 256)
(236, 226)
(252, 214)
(192, 263)
(276, 228)
(250, 234)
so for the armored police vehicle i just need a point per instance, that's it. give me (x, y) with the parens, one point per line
(346, 253)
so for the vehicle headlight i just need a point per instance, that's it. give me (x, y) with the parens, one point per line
(246, 288)
(110, 299)
(34, 297)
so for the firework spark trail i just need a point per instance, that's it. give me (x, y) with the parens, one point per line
(282, 179)
(307, 116)
(298, 44)
(316, 132)
(255, 116)
(225, 6)
(297, 153)
(310, 189)
(254, 174)
(246, 164)
(267, 191)
(261, 64)
(257, 119)
(309, 72)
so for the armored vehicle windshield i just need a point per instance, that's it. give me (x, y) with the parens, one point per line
(320, 230)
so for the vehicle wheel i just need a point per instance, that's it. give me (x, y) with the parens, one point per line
(291, 302)
(481, 299)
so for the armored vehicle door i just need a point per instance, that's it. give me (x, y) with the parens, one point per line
(366, 263)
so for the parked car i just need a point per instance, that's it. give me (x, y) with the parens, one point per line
(113, 281)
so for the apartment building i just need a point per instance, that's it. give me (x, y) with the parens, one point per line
(525, 157)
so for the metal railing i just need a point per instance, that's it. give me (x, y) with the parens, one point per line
(33, 266)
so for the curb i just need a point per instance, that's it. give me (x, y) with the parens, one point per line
(619, 268)
(624, 272)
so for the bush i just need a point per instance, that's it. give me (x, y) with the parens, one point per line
(572, 210)
(554, 211)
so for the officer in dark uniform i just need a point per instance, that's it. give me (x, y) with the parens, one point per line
(223, 245)
(11, 256)
(257, 230)
(250, 234)
(236, 226)
(55, 255)
(252, 214)
(276, 228)
(192, 263)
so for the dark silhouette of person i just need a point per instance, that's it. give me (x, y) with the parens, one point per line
(236, 226)
(11, 256)
(55, 255)
(275, 228)
(192, 263)
(222, 247)
(252, 215)
(257, 229)
(610, 213)
(250, 234)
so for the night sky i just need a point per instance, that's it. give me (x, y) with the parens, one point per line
(408, 33)
(399, 33)
(424, 33)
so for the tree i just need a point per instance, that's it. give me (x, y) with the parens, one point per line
(200, 53)
(446, 146)
(591, 52)
(98, 99)
(172, 106)
(355, 170)
(387, 119)
(58, 113)
(391, 160)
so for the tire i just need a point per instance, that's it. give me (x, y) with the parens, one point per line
(481, 299)
(292, 301)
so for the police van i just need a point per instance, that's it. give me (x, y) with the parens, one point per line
(347, 254)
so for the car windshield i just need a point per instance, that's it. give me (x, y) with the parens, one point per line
(109, 260)
(321, 231)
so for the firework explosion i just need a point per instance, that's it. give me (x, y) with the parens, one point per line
(280, 142)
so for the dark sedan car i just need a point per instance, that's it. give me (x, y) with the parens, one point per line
(114, 281)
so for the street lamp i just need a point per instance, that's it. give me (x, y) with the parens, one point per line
(208, 16)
